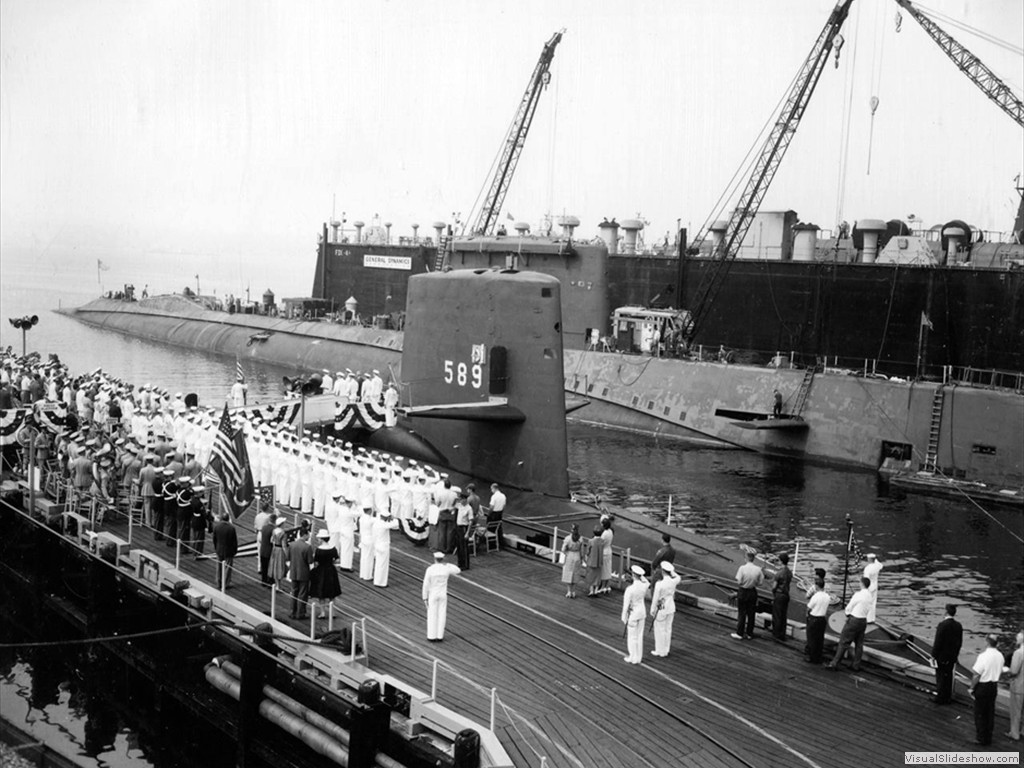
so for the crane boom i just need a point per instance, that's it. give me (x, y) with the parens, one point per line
(772, 152)
(515, 140)
(983, 77)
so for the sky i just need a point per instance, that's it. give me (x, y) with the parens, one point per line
(226, 133)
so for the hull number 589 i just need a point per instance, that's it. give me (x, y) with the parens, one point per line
(462, 374)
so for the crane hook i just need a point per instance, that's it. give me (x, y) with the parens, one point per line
(899, 20)
(838, 45)
(874, 105)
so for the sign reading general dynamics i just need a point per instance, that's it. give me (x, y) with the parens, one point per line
(387, 262)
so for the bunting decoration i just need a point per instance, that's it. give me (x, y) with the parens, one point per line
(367, 416)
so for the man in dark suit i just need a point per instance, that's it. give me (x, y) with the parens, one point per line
(266, 548)
(225, 544)
(949, 636)
(300, 558)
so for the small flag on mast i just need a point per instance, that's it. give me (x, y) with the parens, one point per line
(101, 266)
(854, 548)
(926, 321)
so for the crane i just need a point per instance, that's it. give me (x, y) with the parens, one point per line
(767, 163)
(969, 64)
(515, 139)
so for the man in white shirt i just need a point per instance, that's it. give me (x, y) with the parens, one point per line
(239, 391)
(871, 571)
(435, 596)
(748, 578)
(984, 683)
(856, 624)
(663, 608)
(817, 610)
(633, 610)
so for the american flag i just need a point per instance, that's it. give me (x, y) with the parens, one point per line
(230, 460)
(854, 547)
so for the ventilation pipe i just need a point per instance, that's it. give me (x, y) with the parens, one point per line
(359, 230)
(610, 234)
(568, 225)
(718, 235)
(871, 229)
(805, 241)
(632, 228)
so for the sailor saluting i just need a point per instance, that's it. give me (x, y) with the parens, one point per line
(633, 609)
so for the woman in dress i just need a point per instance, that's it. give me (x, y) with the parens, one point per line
(606, 554)
(323, 581)
(277, 568)
(571, 563)
(593, 558)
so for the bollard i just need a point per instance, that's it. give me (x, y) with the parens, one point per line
(370, 723)
(466, 749)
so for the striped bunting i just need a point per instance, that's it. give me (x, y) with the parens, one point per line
(368, 416)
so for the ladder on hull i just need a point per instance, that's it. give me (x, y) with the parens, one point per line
(932, 456)
(442, 253)
(801, 395)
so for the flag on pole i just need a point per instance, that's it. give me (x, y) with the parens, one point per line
(509, 216)
(101, 266)
(230, 460)
(926, 321)
(854, 548)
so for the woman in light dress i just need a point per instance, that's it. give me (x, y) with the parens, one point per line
(571, 562)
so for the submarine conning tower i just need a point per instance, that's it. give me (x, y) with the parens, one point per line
(482, 371)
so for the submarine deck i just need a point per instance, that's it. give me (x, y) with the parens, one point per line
(564, 692)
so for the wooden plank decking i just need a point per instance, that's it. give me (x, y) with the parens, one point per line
(564, 691)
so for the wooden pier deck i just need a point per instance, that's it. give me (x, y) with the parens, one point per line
(565, 693)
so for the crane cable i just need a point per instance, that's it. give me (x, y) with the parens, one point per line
(847, 112)
(877, 56)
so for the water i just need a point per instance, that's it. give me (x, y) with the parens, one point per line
(934, 550)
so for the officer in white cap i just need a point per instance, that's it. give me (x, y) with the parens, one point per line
(634, 607)
(435, 595)
(663, 608)
(871, 571)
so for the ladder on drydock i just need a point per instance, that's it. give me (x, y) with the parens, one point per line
(442, 252)
(932, 456)
(801, 395)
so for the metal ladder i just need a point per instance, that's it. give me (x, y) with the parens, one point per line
(932, 456)
(801, 395)
(442, 253)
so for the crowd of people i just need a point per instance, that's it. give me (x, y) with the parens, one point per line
(110, 444)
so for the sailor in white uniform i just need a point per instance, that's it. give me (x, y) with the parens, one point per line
(382, 528)
(435, 595)
(871, 571)
(663, 608)
(347, 518)
(366, 548)
(633, 609)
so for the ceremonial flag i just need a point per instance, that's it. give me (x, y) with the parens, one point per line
(854, 547)
(230, 460)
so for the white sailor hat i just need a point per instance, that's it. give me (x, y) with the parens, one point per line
(338, 495)
(439, 555)
(667, 567)
(199, 489)
(323, 533)
(637, 570)
(376, 371)
(871, 556)
(184, 479)
(168, 471)
(280, 520)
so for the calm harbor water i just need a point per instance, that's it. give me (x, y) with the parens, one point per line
(934, 550)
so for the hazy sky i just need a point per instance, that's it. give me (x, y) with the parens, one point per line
(225, 129)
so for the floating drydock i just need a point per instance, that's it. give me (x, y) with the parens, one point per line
(839, 416)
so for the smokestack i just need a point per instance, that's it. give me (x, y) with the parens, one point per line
(871, 229)
(610, 234)
(632, 228)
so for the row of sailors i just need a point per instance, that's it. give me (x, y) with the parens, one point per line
(352, 387)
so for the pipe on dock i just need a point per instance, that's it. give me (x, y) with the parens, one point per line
(315, 719)
(310, 735)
